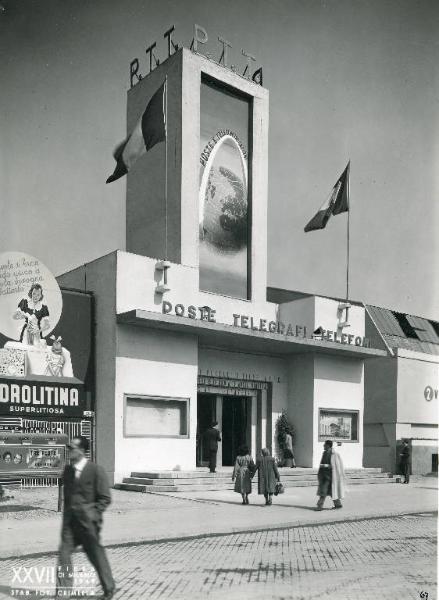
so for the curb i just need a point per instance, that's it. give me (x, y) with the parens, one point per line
(233, 531)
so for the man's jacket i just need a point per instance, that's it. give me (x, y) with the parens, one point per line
(86, 497)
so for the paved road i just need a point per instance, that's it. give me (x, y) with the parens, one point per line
(388, 558)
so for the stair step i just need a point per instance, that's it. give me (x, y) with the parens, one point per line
(135, 487)
(201, 480)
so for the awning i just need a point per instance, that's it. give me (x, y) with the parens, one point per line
(229, 337)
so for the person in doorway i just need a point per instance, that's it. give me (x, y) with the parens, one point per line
(212, 436)
(243, 473)
(268, 474)
(86, 496)
(404, 463)
(288, 450)
(330, 477)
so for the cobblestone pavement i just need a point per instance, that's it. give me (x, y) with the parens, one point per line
(388, 558)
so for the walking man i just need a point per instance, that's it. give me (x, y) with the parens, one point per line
(330, 477)
(86, 496)
(405, 461)
(212, 437)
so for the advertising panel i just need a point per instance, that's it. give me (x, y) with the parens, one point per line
(45, 342)
(18, 459)
(224, 192)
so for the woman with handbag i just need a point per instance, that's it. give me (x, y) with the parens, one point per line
(243, 473)
(268, 475)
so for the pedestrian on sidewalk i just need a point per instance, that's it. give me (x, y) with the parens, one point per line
(212, 436)
(404, 463)
(330, 477)
(243, 472)
(268, 474)
(86, 496)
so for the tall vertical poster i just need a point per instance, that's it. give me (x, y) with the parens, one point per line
(224, 197)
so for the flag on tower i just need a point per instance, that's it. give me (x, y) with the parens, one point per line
(337, 202)
(150, 129)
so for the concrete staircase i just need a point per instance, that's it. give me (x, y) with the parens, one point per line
(201, 480)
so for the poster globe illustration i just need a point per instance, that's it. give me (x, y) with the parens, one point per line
(223, 227)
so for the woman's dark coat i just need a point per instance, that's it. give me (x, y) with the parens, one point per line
(267, 475)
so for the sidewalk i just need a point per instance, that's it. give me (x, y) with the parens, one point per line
(30, 524)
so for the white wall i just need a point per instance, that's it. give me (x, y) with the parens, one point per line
(137, 279)
(301, 406)
(327, 316)
(415, 373)
(339, 384)
(154, 363)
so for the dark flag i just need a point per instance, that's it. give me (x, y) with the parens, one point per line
(337, 202)
(150, 129)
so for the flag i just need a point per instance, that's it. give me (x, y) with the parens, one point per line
(150, 129)
(337, 202)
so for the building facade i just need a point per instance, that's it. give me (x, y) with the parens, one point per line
(401, 391)
(185, 334)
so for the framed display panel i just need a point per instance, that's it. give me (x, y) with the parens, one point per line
(156, 416)
(225, 192)
(32, 459)
(338, 425)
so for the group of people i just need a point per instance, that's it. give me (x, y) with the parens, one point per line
(87, 495)
(330, 475)
(245, 469)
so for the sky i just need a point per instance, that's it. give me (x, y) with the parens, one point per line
(348, 79)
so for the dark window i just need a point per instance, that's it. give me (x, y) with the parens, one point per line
(405, 325)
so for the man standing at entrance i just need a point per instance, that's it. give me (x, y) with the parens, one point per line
(404, 463)
(86, 496)
(330, 477)
(212, 437)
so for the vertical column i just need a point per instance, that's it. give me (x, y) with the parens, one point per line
(264, 418)
(219, 418)
(259, 442)
(269, 417)
(254, 421)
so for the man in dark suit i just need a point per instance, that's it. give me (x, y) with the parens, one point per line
(86, 496)
(212, 437)
(404, 463)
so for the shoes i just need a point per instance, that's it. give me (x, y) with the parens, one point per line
(335, 507)
(319, 508)
(246, 501)
(108, 595)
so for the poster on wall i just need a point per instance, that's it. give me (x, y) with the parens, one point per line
(32, 459)
(30, 309)
(224, 195)
(338, 425)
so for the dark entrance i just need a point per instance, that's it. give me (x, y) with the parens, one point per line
(236, 426)
(206, 412)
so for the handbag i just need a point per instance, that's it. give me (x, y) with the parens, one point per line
(279, 489)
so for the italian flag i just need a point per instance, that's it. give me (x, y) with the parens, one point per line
(150, 129)
(336, 203)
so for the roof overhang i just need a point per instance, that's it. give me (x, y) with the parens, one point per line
(229, 337)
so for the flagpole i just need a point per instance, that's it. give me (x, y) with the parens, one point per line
(348, 227)
(166, 167)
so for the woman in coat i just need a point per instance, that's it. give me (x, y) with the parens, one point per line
(268, 475)
(243, 473)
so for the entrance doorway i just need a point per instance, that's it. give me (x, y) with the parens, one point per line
(236, 426)
(206, 414)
